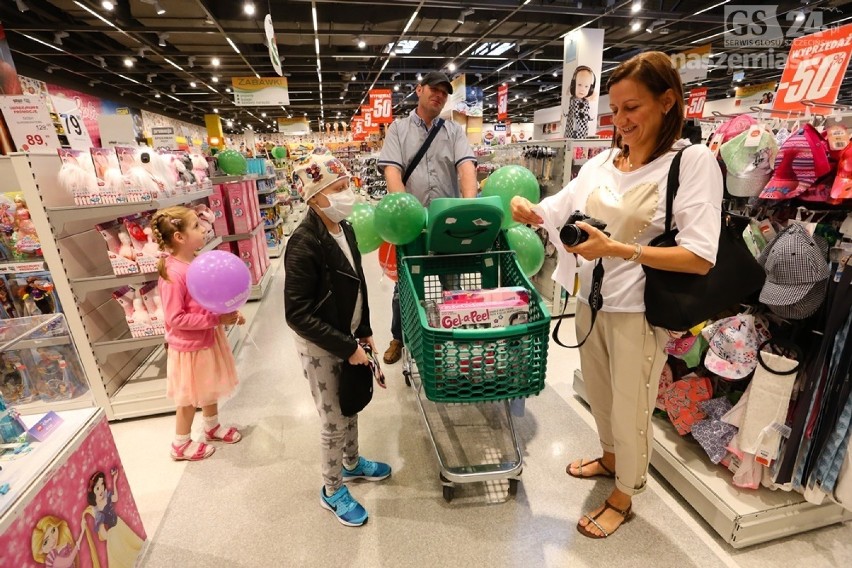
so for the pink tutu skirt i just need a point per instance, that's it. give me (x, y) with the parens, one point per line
(201, 378)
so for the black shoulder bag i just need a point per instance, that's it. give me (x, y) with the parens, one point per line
(679, 301)
(439, 123)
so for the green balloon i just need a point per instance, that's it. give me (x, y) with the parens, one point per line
(506, 183)
(528, 248)
(279, 152)
(232, 163)
(400, 218)
(363, 222)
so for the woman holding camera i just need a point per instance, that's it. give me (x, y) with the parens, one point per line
(625, 189)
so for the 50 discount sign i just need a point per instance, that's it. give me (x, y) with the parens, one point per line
(695, 104)
(381, 103)
(815, 69)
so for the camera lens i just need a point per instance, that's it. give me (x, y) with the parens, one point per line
(572, 235)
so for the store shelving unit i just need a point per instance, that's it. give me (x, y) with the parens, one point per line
(741, 517)
(126, 375)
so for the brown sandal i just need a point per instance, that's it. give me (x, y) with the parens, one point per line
(609, 473)
(628, 514)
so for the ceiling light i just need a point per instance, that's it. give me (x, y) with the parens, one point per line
(465, 12)
(419, 77)
(214, 78)
(451, 67)
(190, 61)
(192, 84)
(128, 62)
(51, 68)
(635, 26)
(361, 43)
(157, 96)
(107, 5)
(710, 7)
(637, 5)
(21, 6)
(57, 37)
(341, 97)
(232, 44)
(248, 8)
(263, 114)
(160, 10)
(396, 87)
(525, 99)
(173, 87)
(101, 60)
(228, 89)
(162, 37)
(215, 62)
(151, 76)
(216, 110)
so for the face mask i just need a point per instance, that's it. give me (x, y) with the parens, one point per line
(341, 205)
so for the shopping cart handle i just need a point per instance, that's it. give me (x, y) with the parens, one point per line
(493, 333)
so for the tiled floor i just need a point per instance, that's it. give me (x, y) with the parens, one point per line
(276, 464)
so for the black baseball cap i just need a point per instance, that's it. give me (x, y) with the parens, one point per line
(436, 78)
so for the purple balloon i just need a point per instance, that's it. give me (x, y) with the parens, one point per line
(219, 281)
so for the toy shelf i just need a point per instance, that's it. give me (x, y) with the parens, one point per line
(242, 236)
(274, 225)
(269, 205)
(20, 267)
(277, 251)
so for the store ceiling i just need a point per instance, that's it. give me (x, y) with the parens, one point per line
(173, 49)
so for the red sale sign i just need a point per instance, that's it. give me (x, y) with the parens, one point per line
(357, 128)
(695, 104)
(370, 124)
(381, 103)
(815, 69)
(502, 102)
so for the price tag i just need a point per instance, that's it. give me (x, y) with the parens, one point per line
(75, 130)
(695, 104)
(381, 105)
(838, 137)
(752, 140)
(29, 123)
(716, 143)
(815, 69)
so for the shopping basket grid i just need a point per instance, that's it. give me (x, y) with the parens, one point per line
(472, 365)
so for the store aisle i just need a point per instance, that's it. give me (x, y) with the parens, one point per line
(256, 503)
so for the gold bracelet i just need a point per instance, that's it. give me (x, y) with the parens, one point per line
(637, 252)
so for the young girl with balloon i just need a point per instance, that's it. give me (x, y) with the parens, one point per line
(325, 303)
(200, 369)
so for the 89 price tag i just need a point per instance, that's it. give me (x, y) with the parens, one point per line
(29, 123)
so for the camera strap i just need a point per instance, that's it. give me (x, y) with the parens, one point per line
(595, 304)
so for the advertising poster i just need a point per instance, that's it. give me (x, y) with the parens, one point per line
(84, 515)
(266, 91)
(581, 70)
(751, 95)
(502, 102)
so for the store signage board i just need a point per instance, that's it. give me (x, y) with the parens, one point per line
(273, 47)
(693, 64)
(815, 69)
(29, 123)
(266, 91)
(502, 102)
(164, 137)
(116, 130)
(695, 104)
(381, 101)
(293, 126)
(357, 126)
(751, 95)
(370, 125)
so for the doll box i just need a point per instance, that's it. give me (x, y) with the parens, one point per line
(238, 208)
(483, 315)
(248, 253)
(217, 205)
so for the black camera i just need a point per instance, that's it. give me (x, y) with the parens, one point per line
(572, 235)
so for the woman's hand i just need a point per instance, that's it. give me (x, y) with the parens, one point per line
(229, 319)
(597, 245)
(369, 341)
(522, 211)
(359, 357)
(241, 320)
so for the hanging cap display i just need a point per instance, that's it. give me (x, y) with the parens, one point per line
(802, 159)
(749, 167)
(842, 188)
(733, 346)
(734, 127)
(319, 172)
(796, 273)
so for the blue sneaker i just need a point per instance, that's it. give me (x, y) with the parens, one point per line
(347, 510)
(366, 469)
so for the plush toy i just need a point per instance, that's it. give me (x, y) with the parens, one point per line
(206, 218)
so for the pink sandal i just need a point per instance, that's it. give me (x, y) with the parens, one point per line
(202, 451)
(231, 435)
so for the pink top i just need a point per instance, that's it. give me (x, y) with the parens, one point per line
(189, 327)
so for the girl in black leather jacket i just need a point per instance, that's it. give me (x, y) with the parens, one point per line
(325, 302)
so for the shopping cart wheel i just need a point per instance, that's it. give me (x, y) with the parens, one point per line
(513, 486)
(449, 492)
(407, 375)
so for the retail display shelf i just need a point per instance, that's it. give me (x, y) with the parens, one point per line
(274, 225)
(259, 289)
(125, 343)
(18, 267)
(242, 236)
(226, 179)
(83, 286)
(267, 191)
(60, 216)
(269, 205)
(741, 517)
(36, 343)
(277, 251)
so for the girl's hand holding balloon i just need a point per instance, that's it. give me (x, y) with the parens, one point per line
(241, 320)
(229, 319)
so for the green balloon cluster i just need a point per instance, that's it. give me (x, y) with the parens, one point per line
(506, 183)
(400, 218)
(363, 219)
(528, 248)
(279, 152)
(232, 163)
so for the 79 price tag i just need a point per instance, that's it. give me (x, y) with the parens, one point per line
(381, 105)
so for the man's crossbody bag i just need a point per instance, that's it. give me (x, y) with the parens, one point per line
(422, 151)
